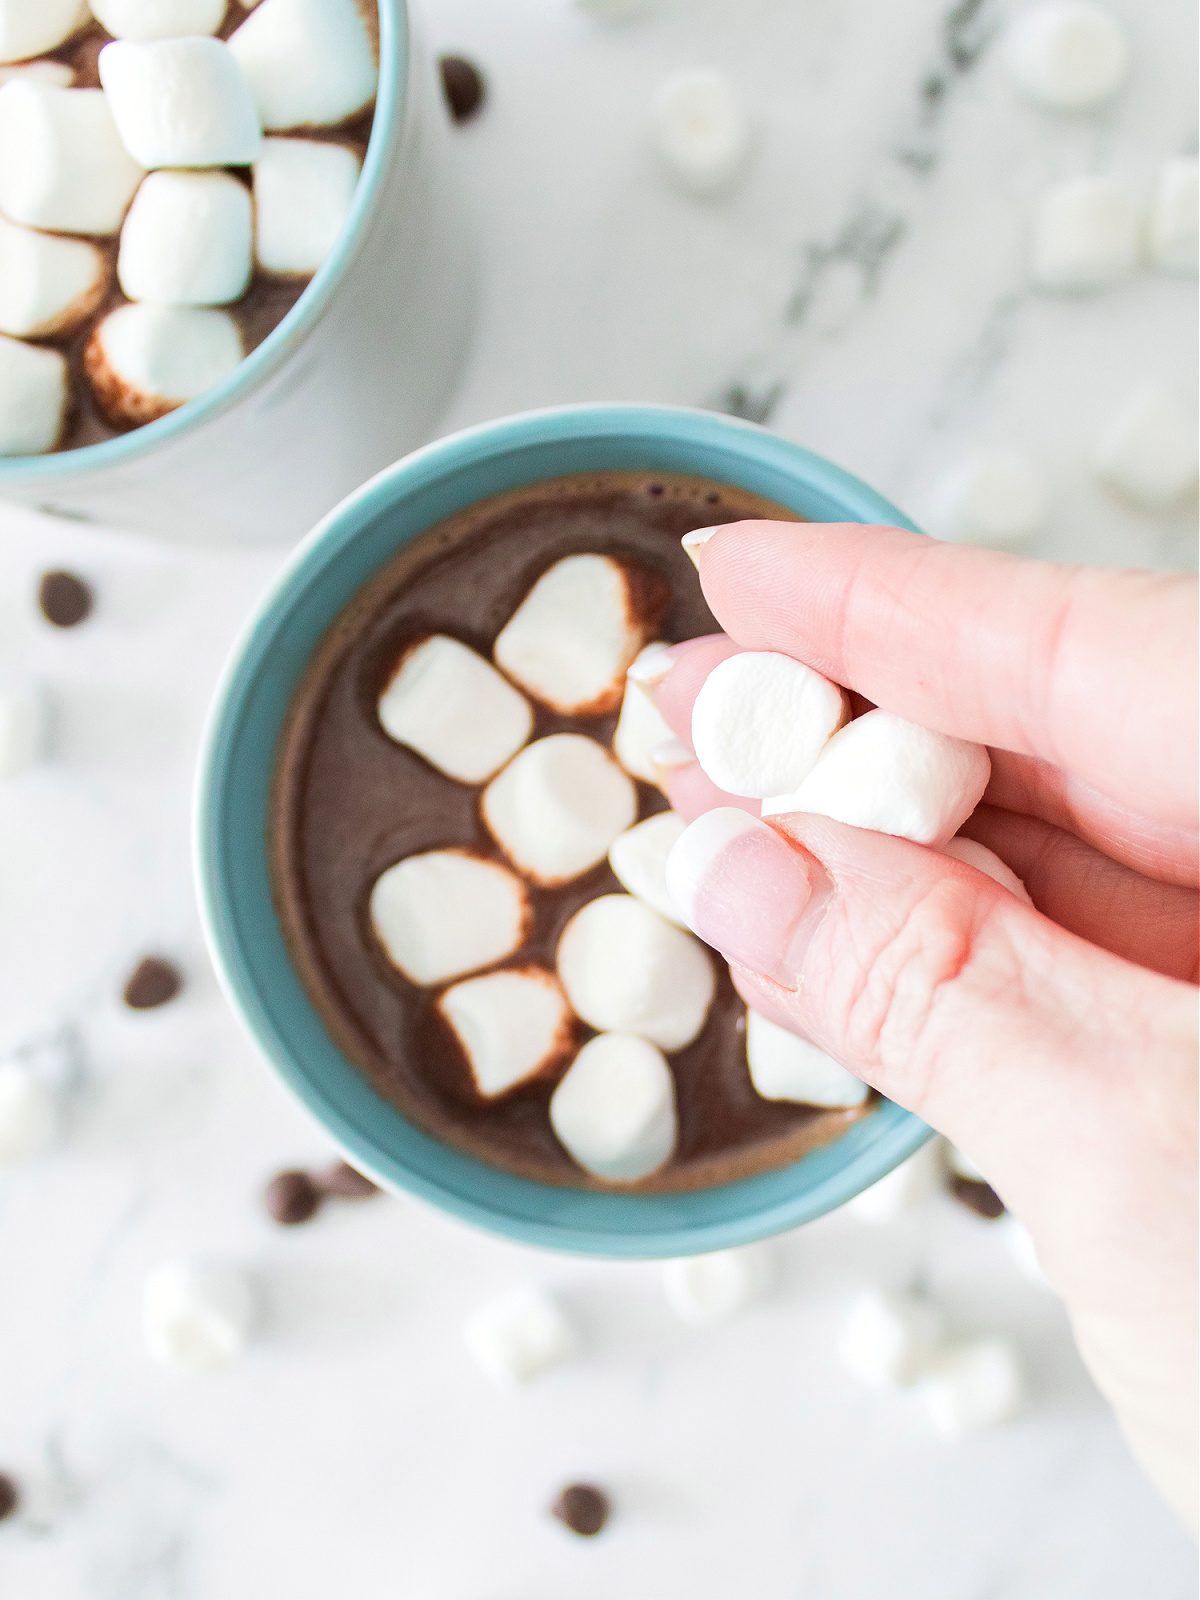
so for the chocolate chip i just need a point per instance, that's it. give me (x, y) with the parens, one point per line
(978, 1197)
(292, 1197)
(65, 599)
(346, 1182)
(152, 983)
(582, 1508)
(9, 1496)
(462, 84)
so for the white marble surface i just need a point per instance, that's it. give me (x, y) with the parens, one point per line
(356, 1450)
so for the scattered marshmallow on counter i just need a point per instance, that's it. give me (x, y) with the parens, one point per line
(512, 1026)
(614, 1111)
(700, 130)
(783, 1067)
(48, 284)
(33, 398)
(447, 912)
(627, 970)
(197, 1314)
(303, 191)
(62, 163)
(187, 240)
(761, 720)
(710, 1288)
(31, 27)
(30, 1114)
(974, 1385)
(641, 729)
(1087, 234)
(159, 19)
(900, 1190)
(1068, 55)
(452, 707)
(986, 861)
(557, 807)
(639, 858)
(891, 1340)
(1148, 453)
(996, 498)
(143, 361)
(309, 63)
(1174, 234)
(515, 1338)
(24, 725)
(180, 102)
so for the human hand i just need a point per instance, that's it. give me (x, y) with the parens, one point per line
(1056, 1047)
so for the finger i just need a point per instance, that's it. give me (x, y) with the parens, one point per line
(691, 793)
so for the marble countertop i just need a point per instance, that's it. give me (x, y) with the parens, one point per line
(862, 292)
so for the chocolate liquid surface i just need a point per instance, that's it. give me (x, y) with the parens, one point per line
(348, 803)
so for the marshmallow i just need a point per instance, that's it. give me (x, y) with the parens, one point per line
(186, 240)
(906, 1186)
(62, 163)
(1086, 235)
(558, 805)
(31, 27)
(639, 858)
(197, 1314)
(709, 1288)
(55, 73)
(614, 1111)
(309, 63)
(453, 707)
(1174, 236)
(892, 776)
(519, 1336)
(303, 191)
(700, 130)
(448, 912)
(972, 1386)
(783, 1067)
(890, 1340)
(761, 720)
(1023, 1250)
(48, 284)
(628, 970)
(159, 19)
(961, 1165)
(994, 499)
(33, 398)
(574, 636)
(29, 1113)
(143, 361)
(640, 728)
(24, 721)
(1068, 55)
(180, 102)
(512, 1026)
(1148, 452)
(986, 861)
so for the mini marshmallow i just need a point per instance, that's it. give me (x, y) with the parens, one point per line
(1086, 235)
(303, 191)
(159, 19)
(1174, 235)
(1148, 452)
(62, 163)
(639, 858)
(31, 27)
(961, 1164)
(890, 1340)
(574, 636)
(308, 62)
(640, 728)
(614, 1111)
(700, 130)
(997, 498)
(519, 1336)
(55, 73)
(187, 240)
(986, 861)
(453, 707)
(711, 1288)
(143, 361)
(180, 102)
(783, 1067)
(33, 398)
(512, 1025)
(974, 1385)
(627, 970)
(557, 807)
(48, 284)
(892, 776)
(24, 726)
(448, 912)
(905, 1187)
(197, 1315)
(29, 1113)
(1023, 1250)
(761, 720)
(1068, 55)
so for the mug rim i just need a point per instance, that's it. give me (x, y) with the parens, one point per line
(876, 1144)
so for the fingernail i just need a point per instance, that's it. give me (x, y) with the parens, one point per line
(670, 754)
(651, 665)
(691, 542)
(746, 892)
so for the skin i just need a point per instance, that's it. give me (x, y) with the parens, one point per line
(1057, 1047)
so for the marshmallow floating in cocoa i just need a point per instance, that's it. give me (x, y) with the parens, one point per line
(1068, 55)
(1087, 234)
(24, 725)
(639, 858)
(761, 720)
(159, 19)
(453, 707)
(308, 62)
(711, 1288)
(614, 1111)
(574, 636)
(143, 361)
(784, 1067)
(31, 27)
(628, 970)
(197, 1314)
(974, 1385)
(33, 398)
(986, 861)
(641, 730)
(1174, 235)
(48, 284)
(519, 1336)
(180, 102)
(891, 1340)
(57, 74)
(701, 132)
(512, 1025)
(303, 191)
(997, 497)
(558, 805)
(447, 912)
(62, 163)
(1148, 453)
(187, 240)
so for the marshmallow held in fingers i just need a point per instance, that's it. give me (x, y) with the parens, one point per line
(1148, 453)
(574, 636)
(710, 1288)
(783, 1067)
(1174, 236)
(24, 725)
(557, 807)
(974, 1385)
(891, 1340)
(198, 1314)
(29, 1113)
(614, 1111)
(639, 858)
(512, 1025)
(447, 912)
(303, 191)
(62, 163)
(628, 970)
(997, 498)
(160, 19)
(33, 398)
(308, 62)
(700, 130)
(515, 1338)
(761, 720)
(187, 240)
(641, 730)
(892, 776)
(48, 284)
(453, 707)
(180, 102)
(143, 361)
(31, 27)
(986, 861)
(1068, 55)
(1087, 234)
